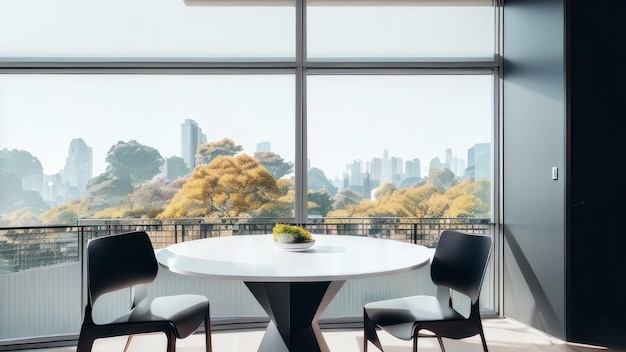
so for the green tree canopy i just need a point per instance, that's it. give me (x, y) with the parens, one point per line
(209, 151)
(105, 190)
(19, 163)
(13, 197)
(320, 202)
(227, 187)
(276, 165)
(318, 181)
(133, 163)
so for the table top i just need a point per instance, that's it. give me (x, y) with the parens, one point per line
(255, 258)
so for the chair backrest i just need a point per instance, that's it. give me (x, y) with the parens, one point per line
(460, 261)
(119, 261)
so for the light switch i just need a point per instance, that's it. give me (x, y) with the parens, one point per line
(555, 173)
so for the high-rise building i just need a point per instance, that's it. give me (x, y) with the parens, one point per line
(376, 170)
(412, 168)
(479, 162)
(191, 137)
(355, 170)
(264, 146)
(385, 171)
(458, 167)
(78, 168)
(448, 160)
(397, 170)
(435, 163)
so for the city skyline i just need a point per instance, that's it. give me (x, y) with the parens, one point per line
(349, 117)
(71, 180)
(191, 134)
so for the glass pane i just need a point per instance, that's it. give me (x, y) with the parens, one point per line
(143, 29)
(400, 32)
(374, 142)
(58, 132)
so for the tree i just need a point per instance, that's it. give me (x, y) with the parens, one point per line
(133, 163)
(209, 151)
(318, 181)
(227, 187)
(469, 199)
(274, 163)
(441, 179)
(416, 201)
(14, 166)
(13, 197)
(283, 207)
(390, 205)
(176, 168)
(10, 192)
(462, 206)
(155, 194)
(19, 217)
(347, 199)
(105, 190)
(320, 202)
(64, 214)
(385, 190)
(19, 163)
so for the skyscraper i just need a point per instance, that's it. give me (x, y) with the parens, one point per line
(413, 168)
(435, 163)
(264, 146)
(191, 137)
(397, 170)
(78, 168)
(448, 160)
(479, 162)
(385, 172)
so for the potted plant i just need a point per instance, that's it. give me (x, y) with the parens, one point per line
(292, 237)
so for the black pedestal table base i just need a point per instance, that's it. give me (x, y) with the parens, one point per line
(294, 309)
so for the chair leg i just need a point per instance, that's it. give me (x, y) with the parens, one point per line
(86, 337)
(85, 344)
(443, 349)
(481, 331)
(171, 341)
(482, 337)
(369, 333)
(207, 331)
(130, 337)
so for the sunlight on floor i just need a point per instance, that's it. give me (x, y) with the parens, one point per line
(503, 335)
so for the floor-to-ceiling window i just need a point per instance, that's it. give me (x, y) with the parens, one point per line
(357, 99)
(351, 109)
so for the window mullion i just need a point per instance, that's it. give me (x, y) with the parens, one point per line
(301, 132)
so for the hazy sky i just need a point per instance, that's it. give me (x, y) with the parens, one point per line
(350, 117)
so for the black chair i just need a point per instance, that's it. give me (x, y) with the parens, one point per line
(459, 263)
(127, 261)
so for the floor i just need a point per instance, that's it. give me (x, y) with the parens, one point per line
(501, 334)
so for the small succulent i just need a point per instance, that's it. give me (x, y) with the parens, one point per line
(290, 233)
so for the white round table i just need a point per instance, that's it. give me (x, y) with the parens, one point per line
(293, 288)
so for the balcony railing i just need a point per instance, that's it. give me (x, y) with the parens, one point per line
(42, 278)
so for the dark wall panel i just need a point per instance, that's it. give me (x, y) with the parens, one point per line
(597, 245)
(534, 140)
